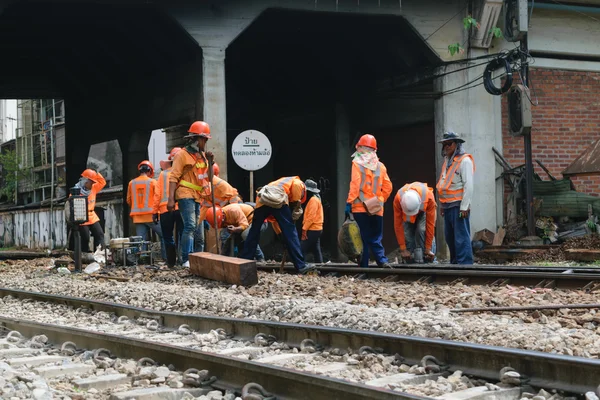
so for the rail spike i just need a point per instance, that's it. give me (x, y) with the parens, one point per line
(432, 365)
(261, 395)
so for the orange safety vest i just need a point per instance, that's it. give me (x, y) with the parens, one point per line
(235, 199)
(141, 193)
(163, 187)
(449, 192)
(421, 190)
(364, 188)
(286, 184)
(201, 171)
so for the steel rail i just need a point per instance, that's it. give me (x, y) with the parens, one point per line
(549, 371)
(582, 279)
(231, 373)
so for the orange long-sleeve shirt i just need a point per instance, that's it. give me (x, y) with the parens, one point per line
(313, 215)
(96, 187)
(142, 218)
(224, 194)
(161, 194)
(430, 216)
(294, 189)
(238, 215)
(383, 192)
(183, 169)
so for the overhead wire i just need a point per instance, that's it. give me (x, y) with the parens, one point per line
(448, 21)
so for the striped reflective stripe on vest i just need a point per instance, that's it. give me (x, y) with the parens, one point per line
(144, 186)
(165, 186)
(414, 186)
(363, 183)
(447, 194)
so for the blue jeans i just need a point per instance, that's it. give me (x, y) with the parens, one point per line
(169, 221)
(458, 237)
(371, 232)
(228, 246)
(145, 228)
(199, 240)
(189, 210)
(283, 216)
(414, 234)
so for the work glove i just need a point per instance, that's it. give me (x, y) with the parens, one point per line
(206, 225)
(348, 210)
(297, 213)
(155, 218)
(464, 214)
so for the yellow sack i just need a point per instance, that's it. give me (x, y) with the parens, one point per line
(349, 240)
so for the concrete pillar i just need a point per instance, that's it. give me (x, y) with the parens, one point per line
(77, 147)
(343, 166)
(214, 105)
(476, 115)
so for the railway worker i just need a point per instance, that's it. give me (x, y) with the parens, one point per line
(283, 200)
(140, 197)
(235, 221)
(188, 182)
(90, 183)
(169, 220)
(414, 220)
(370, 187)
(312, 223)
(455, 191)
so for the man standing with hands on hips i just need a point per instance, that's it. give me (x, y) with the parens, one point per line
(455, 191)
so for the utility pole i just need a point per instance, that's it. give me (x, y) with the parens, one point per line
(527, 142)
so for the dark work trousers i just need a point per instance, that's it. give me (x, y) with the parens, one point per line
(97, 233)
(458, 236)
(169, 221)
(313, 243)
(283, 216)
(371, 232)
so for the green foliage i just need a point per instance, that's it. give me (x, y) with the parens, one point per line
(470, 22)
(455, 48)
(11, 173)
(497, 32)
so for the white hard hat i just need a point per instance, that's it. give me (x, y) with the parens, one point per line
(410, 203)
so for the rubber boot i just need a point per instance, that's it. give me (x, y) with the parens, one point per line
(171, 256)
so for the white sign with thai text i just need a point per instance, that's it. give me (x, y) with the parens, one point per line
(251, 150)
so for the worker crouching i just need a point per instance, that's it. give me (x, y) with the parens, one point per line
(414, 221)
(370, 187)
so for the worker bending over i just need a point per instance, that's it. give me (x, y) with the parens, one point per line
(90, 183)
(414, 220)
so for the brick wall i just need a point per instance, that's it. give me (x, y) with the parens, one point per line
(566, 121)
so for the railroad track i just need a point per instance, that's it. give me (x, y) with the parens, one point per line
(308, 362)
(534, 276)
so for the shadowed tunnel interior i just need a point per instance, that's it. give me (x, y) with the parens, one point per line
(287, 72)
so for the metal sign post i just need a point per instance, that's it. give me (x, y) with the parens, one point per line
(251, 150)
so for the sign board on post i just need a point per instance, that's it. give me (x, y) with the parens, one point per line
(251, 150)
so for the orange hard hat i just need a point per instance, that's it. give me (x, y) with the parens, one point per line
(200, 128)
(174, 151)
(90, 174)
(367, 140)
(216, 169)
(148, 164)
(210, 216)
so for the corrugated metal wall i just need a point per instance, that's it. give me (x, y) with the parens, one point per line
(31, 228)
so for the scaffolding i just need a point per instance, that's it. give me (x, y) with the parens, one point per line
(40, 150)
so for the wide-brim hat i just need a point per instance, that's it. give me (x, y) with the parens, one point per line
(451, 136)
(311, 186)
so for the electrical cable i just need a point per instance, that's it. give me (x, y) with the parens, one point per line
(488, 81)
(446, 23)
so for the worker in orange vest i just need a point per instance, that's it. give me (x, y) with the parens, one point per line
(189, 182)
(169, 220)
(90, 183)
(414, 220)
(140, 197)
(281, 199)
(455, 191)
(235, 221)
(312, 224)
(224, 194)
(370, 188)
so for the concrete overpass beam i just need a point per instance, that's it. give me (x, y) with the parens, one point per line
(477, 116)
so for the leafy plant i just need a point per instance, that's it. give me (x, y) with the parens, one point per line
(497, 32)
(455, 48)
(469, 22)
(11, 174)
